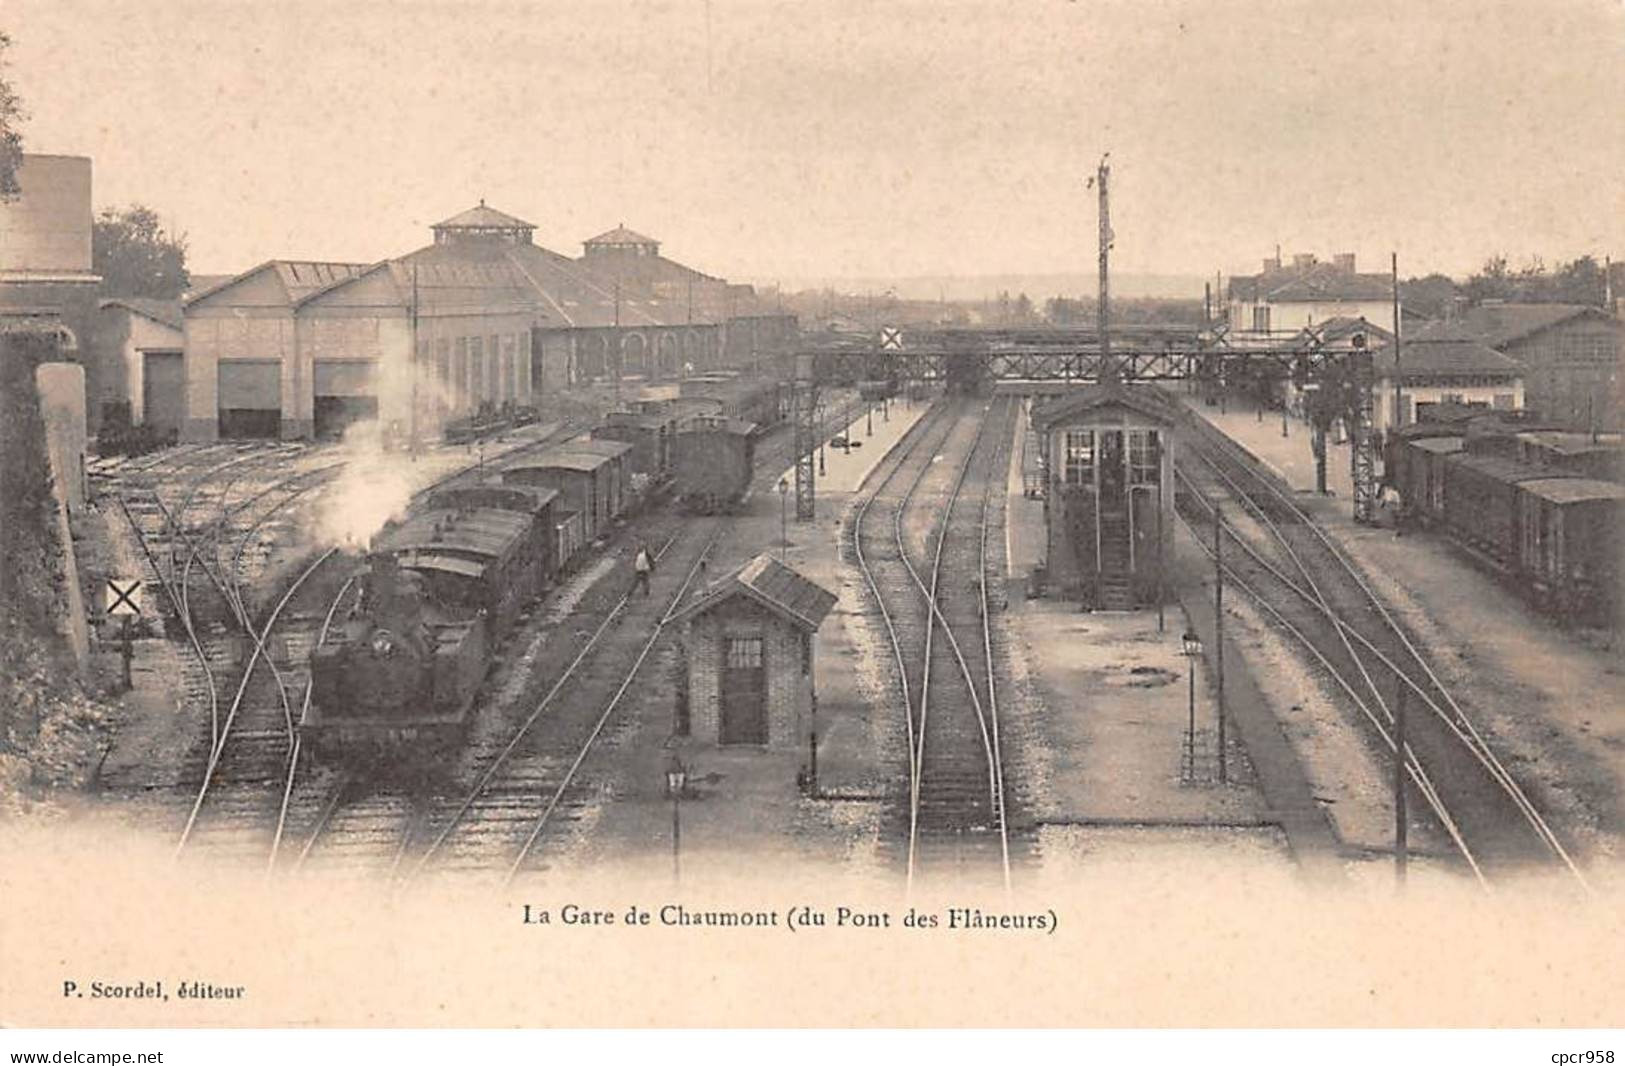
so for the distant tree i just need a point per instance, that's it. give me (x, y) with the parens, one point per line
(11, 138)
(1431, 296)
(1492, 282)
(1065, 311)
(1024, 308)
(135, 257)
(1579, 282)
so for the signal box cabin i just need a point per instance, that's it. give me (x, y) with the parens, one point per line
(1108, 504)
(748, 658)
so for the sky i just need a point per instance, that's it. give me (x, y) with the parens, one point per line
(816, 140)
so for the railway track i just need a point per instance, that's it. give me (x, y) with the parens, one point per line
(942, 636)
(1277, 554)
(238, 810)
(534, 776)
(523, 776)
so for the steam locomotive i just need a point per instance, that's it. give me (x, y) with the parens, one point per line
(395, 679)
(441, 589)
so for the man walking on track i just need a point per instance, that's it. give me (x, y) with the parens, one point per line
(643, 565)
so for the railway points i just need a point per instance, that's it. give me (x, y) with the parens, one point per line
(971, 727)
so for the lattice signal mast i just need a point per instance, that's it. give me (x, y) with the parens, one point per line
(804, 406)
(1362, 448)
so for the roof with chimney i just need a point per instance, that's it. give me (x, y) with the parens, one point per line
(1311, 282)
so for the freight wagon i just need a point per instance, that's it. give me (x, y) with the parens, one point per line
(712, 463)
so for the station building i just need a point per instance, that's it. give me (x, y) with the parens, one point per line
(748, 656)
(1436, 367)
(1108, 501)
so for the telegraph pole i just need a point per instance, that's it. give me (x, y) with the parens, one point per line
(414, 419)
(1102, 314)
(1399, 378)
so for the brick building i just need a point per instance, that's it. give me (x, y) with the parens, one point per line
(748, 657)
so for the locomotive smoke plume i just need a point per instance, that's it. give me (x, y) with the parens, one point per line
(375, 486)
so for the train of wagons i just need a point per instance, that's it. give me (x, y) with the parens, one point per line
(445, 584)
(1540, 505)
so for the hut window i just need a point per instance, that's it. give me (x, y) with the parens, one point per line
(744, 653)
(1079, 466)
(1144, 457)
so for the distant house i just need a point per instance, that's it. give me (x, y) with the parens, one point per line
(1570, 354)
(1442, 365)
(1307, 293)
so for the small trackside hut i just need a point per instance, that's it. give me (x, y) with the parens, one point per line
(747, 654)
(1108, 504)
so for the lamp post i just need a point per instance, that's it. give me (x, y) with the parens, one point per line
(676, 779)
(1192, 645)
(784, 529)
(818, 411)
(869, 419)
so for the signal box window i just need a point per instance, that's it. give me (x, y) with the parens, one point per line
(1078, 466)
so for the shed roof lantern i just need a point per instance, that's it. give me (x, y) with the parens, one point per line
(483, 222)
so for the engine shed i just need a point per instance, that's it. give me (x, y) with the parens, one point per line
(1108, 500)
(747, 652)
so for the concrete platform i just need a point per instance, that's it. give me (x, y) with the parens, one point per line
(1290, 456)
